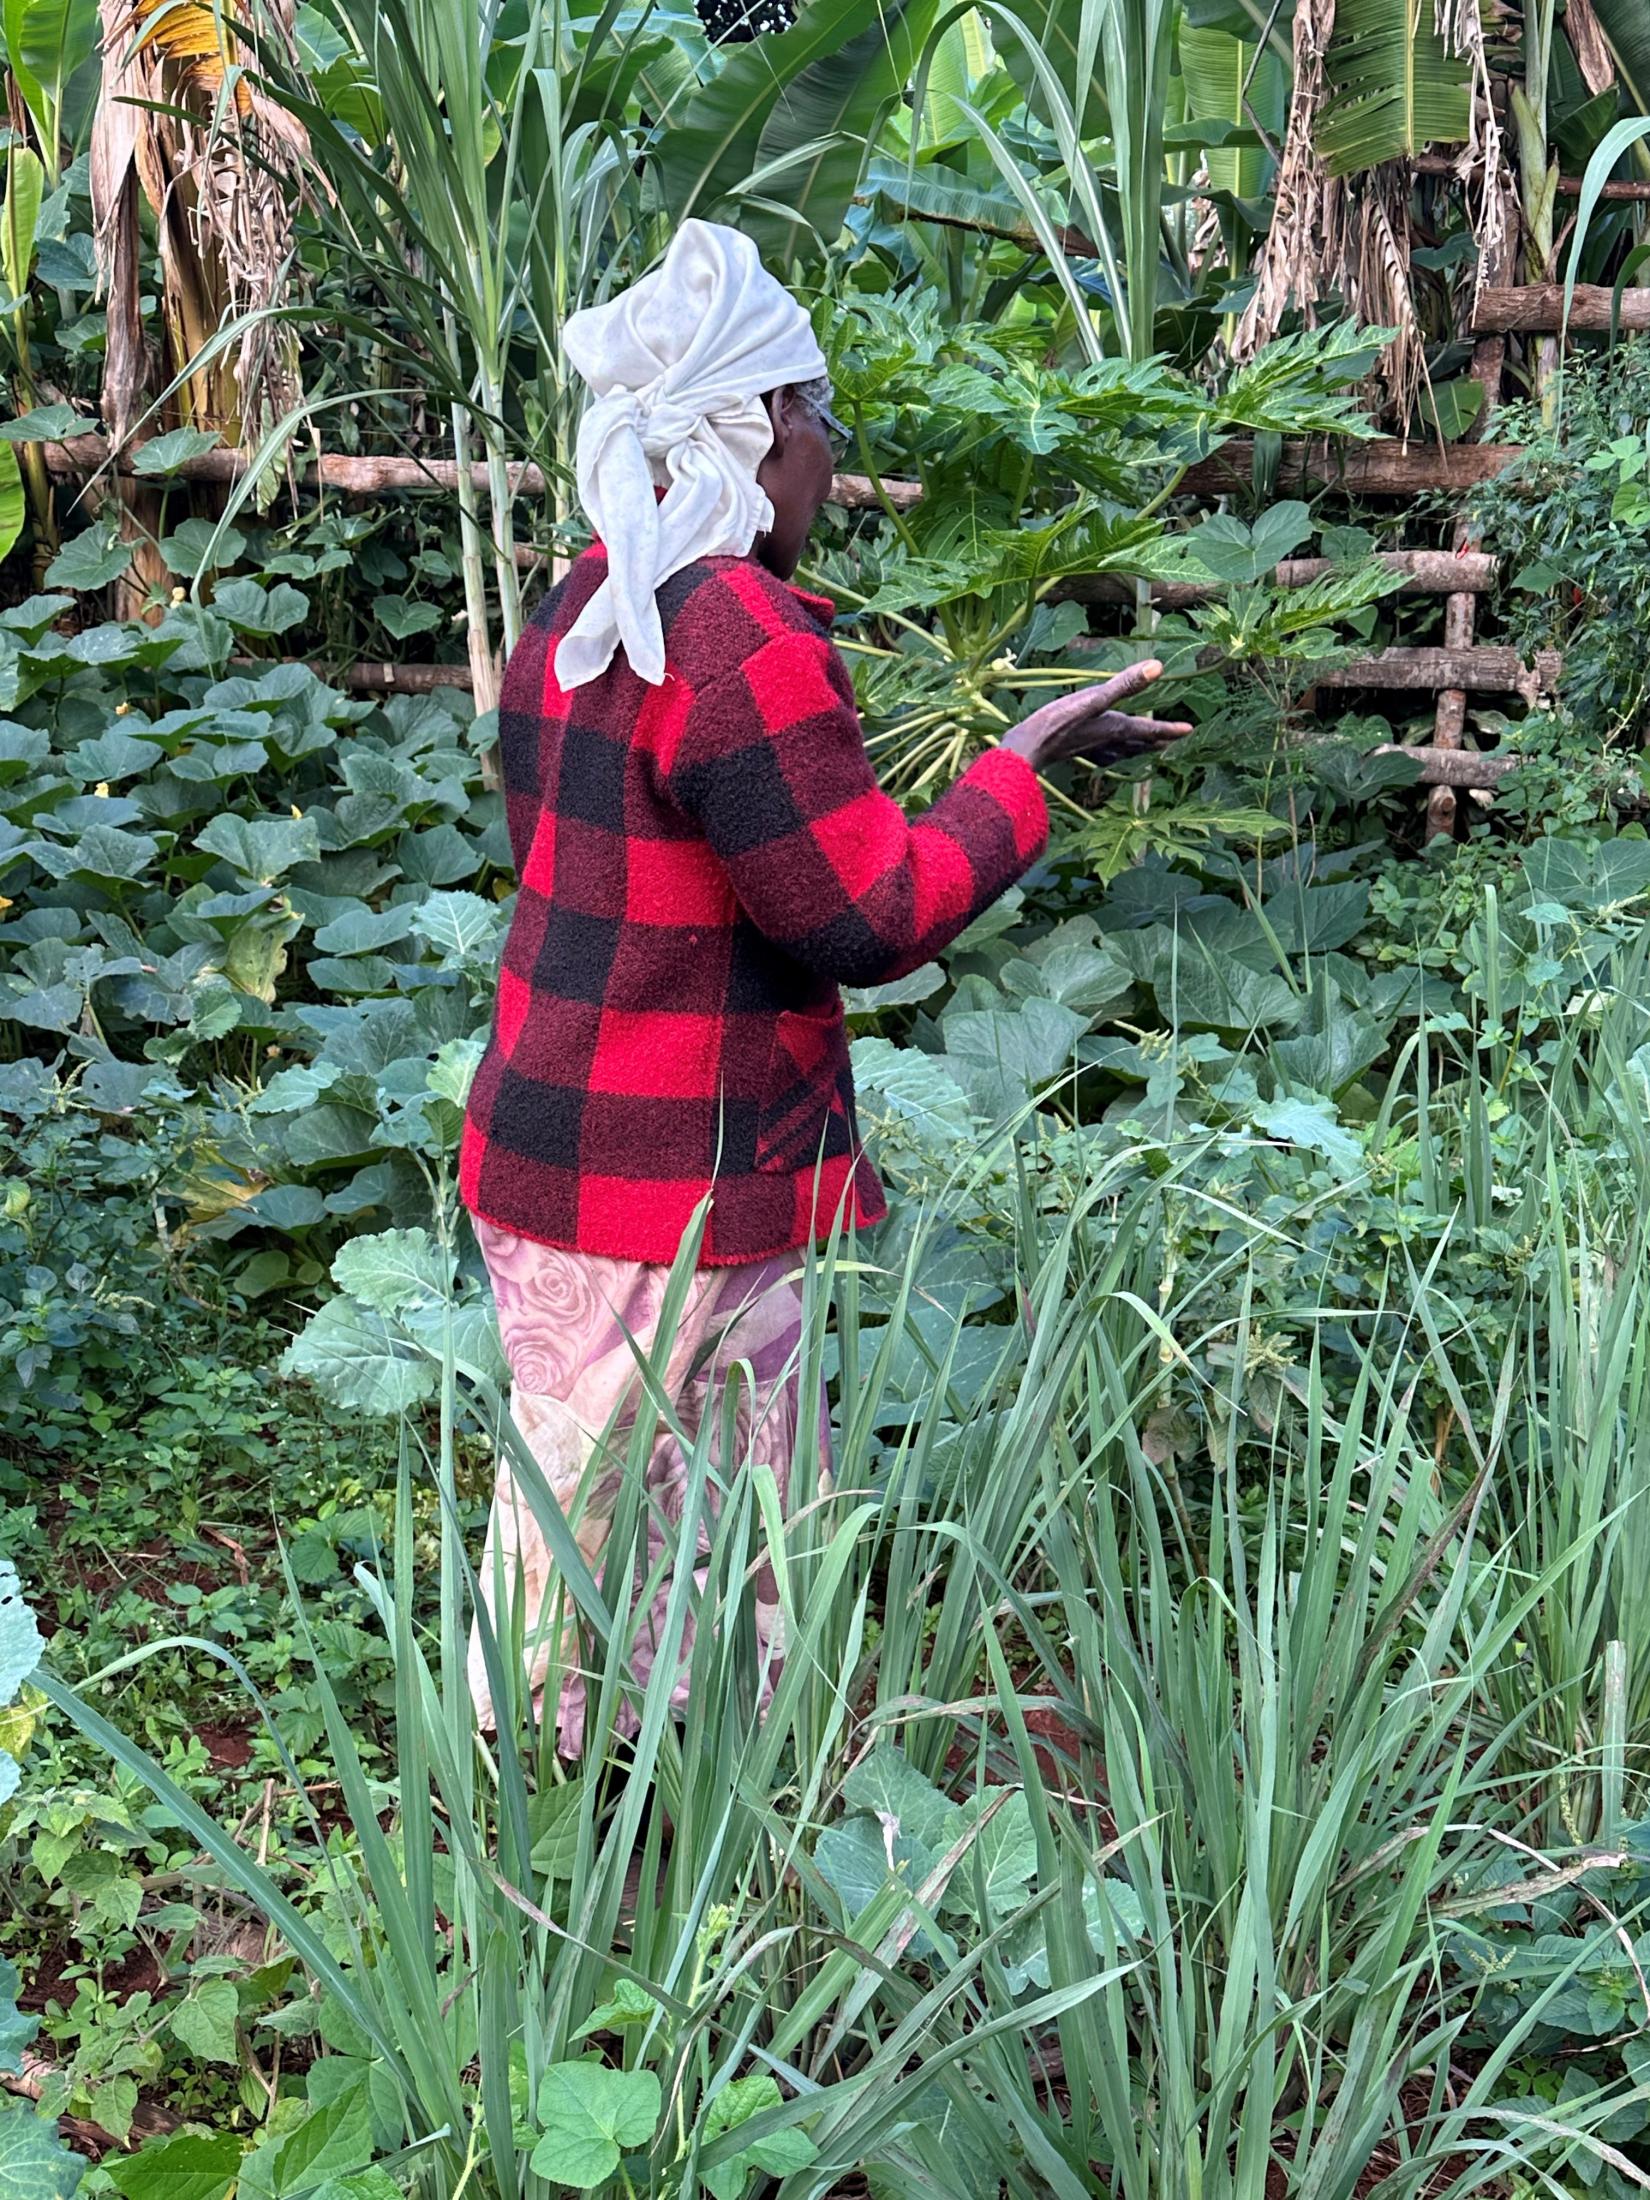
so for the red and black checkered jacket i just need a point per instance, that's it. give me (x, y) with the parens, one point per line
(701, 863)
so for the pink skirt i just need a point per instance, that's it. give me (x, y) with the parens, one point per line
(575, 1387)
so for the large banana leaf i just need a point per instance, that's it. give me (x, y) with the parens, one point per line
(1223, 82)
(961, 59)
(1626, 25)
(781, 133)
(932, 193)
(1393, 90)
(820, 131)
(46, 41)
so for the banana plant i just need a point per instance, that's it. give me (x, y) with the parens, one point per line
(779, 136)
(47, 46)
(1394, 87)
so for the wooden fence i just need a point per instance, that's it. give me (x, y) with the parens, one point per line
(1458, 668)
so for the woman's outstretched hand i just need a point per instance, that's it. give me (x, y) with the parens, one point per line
(1086, 723)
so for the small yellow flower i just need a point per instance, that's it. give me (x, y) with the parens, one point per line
(271, 1052)
(102, 788)
(5, 901)
(178, 594)
(296, 811)
(121, 709)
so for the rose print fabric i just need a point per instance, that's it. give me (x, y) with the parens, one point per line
(563, 1317)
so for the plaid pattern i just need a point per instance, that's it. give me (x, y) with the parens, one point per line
(701, 863)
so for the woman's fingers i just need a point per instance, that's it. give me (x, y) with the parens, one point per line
(1121, 685)
(1083, 705)
(1165, 729)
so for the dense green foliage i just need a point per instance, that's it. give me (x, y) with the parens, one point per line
(1208, 1762)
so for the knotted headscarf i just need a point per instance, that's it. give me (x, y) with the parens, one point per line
(679, 364)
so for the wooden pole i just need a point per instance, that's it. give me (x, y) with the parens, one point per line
(1538, 309)
(1569, 187)
(1489, 361)
(1425, 573)
(1381, 467)
(1481, 671)
(90, 454)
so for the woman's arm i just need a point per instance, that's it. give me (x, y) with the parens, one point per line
(771, 765)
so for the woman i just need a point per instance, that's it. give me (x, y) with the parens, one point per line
(704, 856)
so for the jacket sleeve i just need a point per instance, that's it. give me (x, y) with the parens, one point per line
(771, 766)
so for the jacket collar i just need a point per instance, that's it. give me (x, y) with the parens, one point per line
(819, 608)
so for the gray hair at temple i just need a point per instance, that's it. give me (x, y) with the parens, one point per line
(817, 395)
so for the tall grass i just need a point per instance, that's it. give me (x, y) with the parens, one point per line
(1271, 1733)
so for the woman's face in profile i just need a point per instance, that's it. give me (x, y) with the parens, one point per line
(796, 478)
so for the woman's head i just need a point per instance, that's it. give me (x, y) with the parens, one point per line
(796, 474)
(700, 378)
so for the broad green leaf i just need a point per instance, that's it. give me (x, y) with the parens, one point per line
(1393, 89)
(13, 508)
(709, 150)
(778, 2153)
(1225, 83)
(46, 42)
(21, 1648)
(356, 1357)
(1086, 979)
(164, 454)
(393, 1269)
(1450, 408)
(1626, 27)
(1118, 1913)
(916, 985)
(198, 547)
(941, 194)
(90, 560)
(1225, 995)
(403, 617)
(453, 1071)
(816, 135)
(1002, 1057)
(1314, 919)
(298, 1087)
(112, 2103)
(1231, 551)
(859, 1857)
(888, 1785)
(1328, 1060)
(365, 2184)
(333, 2141)
(46, 424)
(631, 2004)
(205, 2021)
(363, 931)
(590, 2117)
(457, 926)
(1315, 1125)
(253, 609)
(103, 852)
(189, 2166)
(20, 216)
(34, 2162)
(1598, 878)
(1003, 1857)
(261, 848)
(16, 2030)
(915, 1088)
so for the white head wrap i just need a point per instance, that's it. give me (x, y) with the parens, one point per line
(679, 364)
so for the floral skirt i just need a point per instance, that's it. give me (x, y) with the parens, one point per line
(567, 1320)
